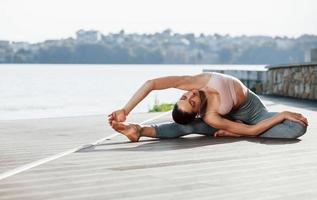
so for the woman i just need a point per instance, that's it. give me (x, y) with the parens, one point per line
(215, 104)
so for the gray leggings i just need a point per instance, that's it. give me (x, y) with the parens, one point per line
(250, 112)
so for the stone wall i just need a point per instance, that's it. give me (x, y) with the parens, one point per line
(313, 55)
(297, 80)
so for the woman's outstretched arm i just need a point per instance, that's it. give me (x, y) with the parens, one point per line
(138, 96)
(179, 82)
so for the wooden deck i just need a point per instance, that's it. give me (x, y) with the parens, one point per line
(193, 167)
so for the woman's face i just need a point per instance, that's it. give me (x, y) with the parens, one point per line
(190, 102)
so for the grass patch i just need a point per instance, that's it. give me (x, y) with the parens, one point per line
(161, 107)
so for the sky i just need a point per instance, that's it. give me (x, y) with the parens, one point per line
(38, 20)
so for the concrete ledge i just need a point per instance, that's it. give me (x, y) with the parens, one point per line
(307, 64)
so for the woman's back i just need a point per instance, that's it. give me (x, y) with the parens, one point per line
(230, 89)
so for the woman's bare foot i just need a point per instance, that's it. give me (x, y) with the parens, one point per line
(132, 131)
(223, 133)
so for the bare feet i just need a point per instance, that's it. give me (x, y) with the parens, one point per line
(223, 133)
(132, 131)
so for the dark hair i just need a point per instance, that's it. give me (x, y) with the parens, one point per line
(182, 117)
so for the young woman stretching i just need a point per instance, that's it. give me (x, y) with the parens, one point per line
(215, 104)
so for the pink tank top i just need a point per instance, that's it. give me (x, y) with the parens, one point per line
(224, 85)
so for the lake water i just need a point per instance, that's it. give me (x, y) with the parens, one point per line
(41, 91)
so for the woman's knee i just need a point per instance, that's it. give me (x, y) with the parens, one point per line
(297, 129)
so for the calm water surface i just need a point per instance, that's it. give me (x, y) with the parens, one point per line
(40, 91)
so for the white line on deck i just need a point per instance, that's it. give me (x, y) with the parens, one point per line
(70, 151)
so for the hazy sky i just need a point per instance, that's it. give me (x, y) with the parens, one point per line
(37, 20)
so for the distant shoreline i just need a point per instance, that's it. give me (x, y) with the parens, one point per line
(93, 47)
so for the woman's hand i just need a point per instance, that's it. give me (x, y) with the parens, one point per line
(118, 115)
(296, 117)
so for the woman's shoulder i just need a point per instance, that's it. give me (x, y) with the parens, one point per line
(203, 75)
(197, 81)
(203, 79)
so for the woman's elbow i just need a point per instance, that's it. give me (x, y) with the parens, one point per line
(150, 84)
